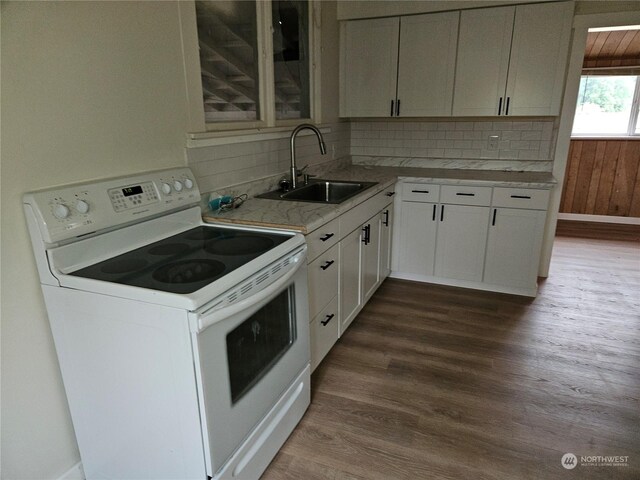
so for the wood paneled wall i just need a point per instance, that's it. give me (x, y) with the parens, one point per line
(603, 178)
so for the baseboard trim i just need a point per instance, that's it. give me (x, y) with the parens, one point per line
(580, 217)
(74, 473)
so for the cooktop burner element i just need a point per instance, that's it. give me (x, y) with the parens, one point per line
(185, 262)
(188, 271)
(169, 249)
(240, 245)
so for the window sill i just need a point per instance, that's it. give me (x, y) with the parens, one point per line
(211, 139)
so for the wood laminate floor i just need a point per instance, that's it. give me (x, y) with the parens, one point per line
(432, 382)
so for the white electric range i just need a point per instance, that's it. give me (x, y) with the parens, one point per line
(183, 346)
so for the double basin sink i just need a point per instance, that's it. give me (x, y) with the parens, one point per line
(321, 191)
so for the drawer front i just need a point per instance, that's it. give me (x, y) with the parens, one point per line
(323, 280)
(323, 238)
(465, 195)
(420, 192)
(324, 330)
(520, 198)
(359, 214)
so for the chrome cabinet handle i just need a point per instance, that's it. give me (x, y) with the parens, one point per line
(433, 218)
(500, 106)
(466, 194)
(327, 237)
(390, 194)
(398, 108)
(521, 196)
(506, 111)
(419, 191)
(386, 218)
(493, 222)
(391, 114)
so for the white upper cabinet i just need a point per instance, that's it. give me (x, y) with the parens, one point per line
(426, 64)
(483, 61)
(512, 60)
(368, 65)
(398, 66)
(538, 58)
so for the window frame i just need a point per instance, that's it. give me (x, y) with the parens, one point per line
(266, 86)
(632, 123)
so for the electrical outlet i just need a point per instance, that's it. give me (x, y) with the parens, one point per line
(492, 143)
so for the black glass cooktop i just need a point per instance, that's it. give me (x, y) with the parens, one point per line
(185, 262)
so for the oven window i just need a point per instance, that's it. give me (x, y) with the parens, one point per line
(257, 344)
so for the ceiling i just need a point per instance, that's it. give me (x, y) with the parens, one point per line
(612, 49)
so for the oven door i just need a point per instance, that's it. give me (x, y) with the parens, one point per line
(247, 354)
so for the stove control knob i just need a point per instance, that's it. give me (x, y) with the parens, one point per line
(188, 183)
(166, 188)
(61, 211)
(177, 185)
(82, 206)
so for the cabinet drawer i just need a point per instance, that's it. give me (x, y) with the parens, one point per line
(322, 239)
(520, 198)
(324, 330)
(323, 280)
(463, 195)
(359, 214)
(420, 192)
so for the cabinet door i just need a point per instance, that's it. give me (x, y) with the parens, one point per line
(368, 67)
(484, 44)
(370, 256)
(386, 229)
(324, 331)
(350, 287)
(417, 246)
(461, 242)
(427, 63)
(538, 62)
(513, 247)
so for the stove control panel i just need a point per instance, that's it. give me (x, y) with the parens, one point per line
(74, 210)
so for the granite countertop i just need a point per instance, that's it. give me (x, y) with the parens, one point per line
(305, 217)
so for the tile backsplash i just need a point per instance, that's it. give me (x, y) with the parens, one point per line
(221, 166)
(521, 140)
(256, 165)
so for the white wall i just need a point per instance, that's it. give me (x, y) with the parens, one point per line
(89, 89)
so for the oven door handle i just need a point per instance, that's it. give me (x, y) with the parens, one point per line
(209, 317)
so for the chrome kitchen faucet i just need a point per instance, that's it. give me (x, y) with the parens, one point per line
(323, 149)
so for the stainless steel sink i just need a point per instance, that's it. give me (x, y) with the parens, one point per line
(321, 191)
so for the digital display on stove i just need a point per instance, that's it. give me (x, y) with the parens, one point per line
(128, 191)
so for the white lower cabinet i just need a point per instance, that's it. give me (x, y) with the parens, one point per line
(325, 329)
(370, 257)
(417, 234)
(471, 236)
(386, 229)
(514, 237)
(350, 278)
(343, 277)
(460, 243)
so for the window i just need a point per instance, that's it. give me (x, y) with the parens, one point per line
(607, 106)
(228, 41)
(254, 61)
